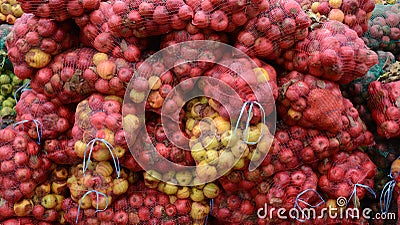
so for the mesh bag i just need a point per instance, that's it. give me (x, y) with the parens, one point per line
(384, 29)
(44, 206)
(226, 16)
(96, 33)
(59, 10)
(294, 146)
(98, 129)
(93, 177)
(64, 78)
(34, 41)
(163, 145)
(310, 102)
(313, 103)
(384, 107)
(286, 190)
(197, 193)
(357, 91)
(109, 75)
(141, 206)
(332, 52)
(23, 166)
(274, 30)
(243, 83)
(61, 149)
(55, 119)
(199, 61)
(260, 74)
(353, 13)
(347, 175)
(212, 137)
(142, 19)
(242, 180)
(24, 220)
(5, 29)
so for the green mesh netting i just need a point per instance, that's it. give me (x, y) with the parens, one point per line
(358, 89)
(384, 29)
(5, 63)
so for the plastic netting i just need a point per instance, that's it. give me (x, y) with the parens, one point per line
(55, 119)
(196, 193)
(384, 29)
(240, 179)
(97, 33)
(24, 220)
(249, 81)
(44, 205)
(295, 146)
(59, 10)
(34, 41)
(310, 102)
(274, 30)
(383, 104)
(109, 75)
(289, 189)
(5, 63)
(94, 176)
(98, 130)
(318, 104)
(65, 78)
(23, 164)
(61, 149)
(199, 61)
(139, 206)
(353, 13)
(357, 91)
(142, 19)
(332, 52)
(163, 145)
(347, 175)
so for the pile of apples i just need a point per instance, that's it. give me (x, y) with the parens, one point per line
(342, 174)
(10, 10)
(274, 31)
(106, 107)
(34, 41)
(383, 107)
(279, 191)
(318, 104)
(9, 84)
(101, 177)
(63, 78)
(23, 168)
(332, 52)
(353, 13)
(384, 29)
(141, 206)
(55, 118)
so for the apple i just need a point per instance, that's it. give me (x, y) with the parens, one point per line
(170, 210)
(23, 208)
(121, 218)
